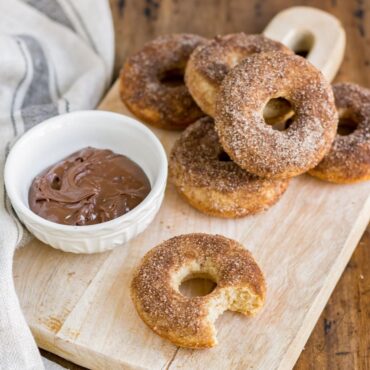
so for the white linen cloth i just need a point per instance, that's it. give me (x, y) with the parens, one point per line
(56, 56)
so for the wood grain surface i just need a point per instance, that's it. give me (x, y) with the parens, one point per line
(341, 339)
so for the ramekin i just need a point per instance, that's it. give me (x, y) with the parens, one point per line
(60, 136)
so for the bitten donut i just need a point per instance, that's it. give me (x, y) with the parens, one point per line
(349, 158)
(152, 82)
(255, 145)
(185, 321)
(211, 182)
(210, 63)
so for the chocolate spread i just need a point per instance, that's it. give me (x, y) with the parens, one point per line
(88, 187)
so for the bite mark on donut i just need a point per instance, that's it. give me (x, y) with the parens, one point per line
(189, 322)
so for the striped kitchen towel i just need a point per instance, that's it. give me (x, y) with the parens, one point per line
(56, 56)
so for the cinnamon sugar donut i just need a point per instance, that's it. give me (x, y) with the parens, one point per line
(211, 182)
(349, 158)
(256, 146)
(185, 321)
(152, 84)
(210, 63)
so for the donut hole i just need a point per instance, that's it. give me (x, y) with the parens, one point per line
(278, 113)
(288, 122)
(302, 43)
(56, 183)
(197, 285)
(224, 157)
(346, 126)
(172, 77)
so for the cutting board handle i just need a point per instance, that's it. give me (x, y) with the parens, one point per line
(312, 31)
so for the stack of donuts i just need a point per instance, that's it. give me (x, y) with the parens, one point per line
(255, 115)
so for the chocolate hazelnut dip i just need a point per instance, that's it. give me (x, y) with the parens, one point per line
(88, 187)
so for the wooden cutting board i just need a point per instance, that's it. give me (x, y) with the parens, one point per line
(78, 306)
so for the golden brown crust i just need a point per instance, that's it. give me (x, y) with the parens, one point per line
(185, 321)
(210, 63)
(213, 186)
(349, 158)
(162, 105)
(253, 144)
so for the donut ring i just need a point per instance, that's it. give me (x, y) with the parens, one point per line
(142, 82)
(256, 146)
(349, 158)
(185, 321)
(214, 184)
(209, 64)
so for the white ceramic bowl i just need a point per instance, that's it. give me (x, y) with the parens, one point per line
(60, 136)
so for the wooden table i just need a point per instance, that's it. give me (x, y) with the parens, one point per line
(341, 339)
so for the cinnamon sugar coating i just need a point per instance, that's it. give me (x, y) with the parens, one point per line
(142, 86)
(214, 184)
(189, 322)
(349, 158)
(210, 63)
(256, 146)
